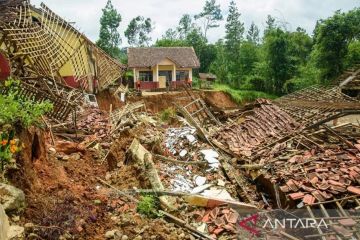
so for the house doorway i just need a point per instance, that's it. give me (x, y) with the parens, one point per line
(165, 77)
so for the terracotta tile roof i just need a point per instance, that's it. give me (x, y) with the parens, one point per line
(150, 56)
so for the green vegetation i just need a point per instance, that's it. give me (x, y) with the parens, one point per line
(148, 206)
(167, 114)
(241, 96)
(109, 39)
(16, 111)
(276, 61)
(20, 111)
(138, 31)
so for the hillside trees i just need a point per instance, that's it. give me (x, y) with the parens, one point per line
(333, 39)
(278, 60)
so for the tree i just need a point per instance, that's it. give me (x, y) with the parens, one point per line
(280, 67)
(253, 34)
(211, 15)
(205, 52)
(170, 39)
(270, 24)
(138, 31)
(332, 39)
(185, 26)
(170, 34)
(220, 65)
(233, 38)
(234, 29)
(109, 39)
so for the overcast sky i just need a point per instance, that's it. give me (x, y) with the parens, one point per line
(166, 14)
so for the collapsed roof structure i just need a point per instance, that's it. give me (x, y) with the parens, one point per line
(50, 56)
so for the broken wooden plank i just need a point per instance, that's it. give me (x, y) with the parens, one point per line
(144, 158)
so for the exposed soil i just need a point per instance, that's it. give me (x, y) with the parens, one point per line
(158, 102)
(105, 98)
(65, 200)
(219, 100)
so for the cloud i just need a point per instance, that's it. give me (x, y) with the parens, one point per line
(166, 14)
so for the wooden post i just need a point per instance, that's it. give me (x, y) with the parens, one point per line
(135, 78)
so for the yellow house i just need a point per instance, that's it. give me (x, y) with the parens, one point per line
(162, 67)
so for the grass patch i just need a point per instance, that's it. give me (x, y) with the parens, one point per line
(148, 206)
(241, 96)
(167, 114)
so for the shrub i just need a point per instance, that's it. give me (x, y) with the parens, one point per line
(16, 111)
(148, 206)
(167, 114)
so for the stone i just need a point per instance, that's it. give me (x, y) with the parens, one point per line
(354, 190)
(107, 176)
(183, 153)
(52, 150)
(4, 224)
(65, 158)
(33, 236)
(182, 235)
(69, 147)
(75, 156)
(138, 238)
(12, 198)
(29, 225)
(113, 234)
(16, 232)
(124, 237)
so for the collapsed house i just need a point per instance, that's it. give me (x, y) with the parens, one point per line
(53, 60)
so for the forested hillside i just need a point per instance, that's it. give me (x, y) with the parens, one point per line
(275, 60)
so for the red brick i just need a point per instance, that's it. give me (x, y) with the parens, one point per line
(232, 218)
(314, 180)
(296, 196)
(342, 231)
(335, 183)
(338, 188)
(218, 231)
(284, 189)
(355, 169)
(307, 189)
(353, 174)
(214, 213)
(334, 177)
(318, 196)
(348, 222)
(323, 186)
(325, 194)
(357, 146)
(206, 218)
(309, 199)
(219, 222)
(355, 190)
(292, 185)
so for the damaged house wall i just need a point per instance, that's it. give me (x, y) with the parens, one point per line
(48, 46)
